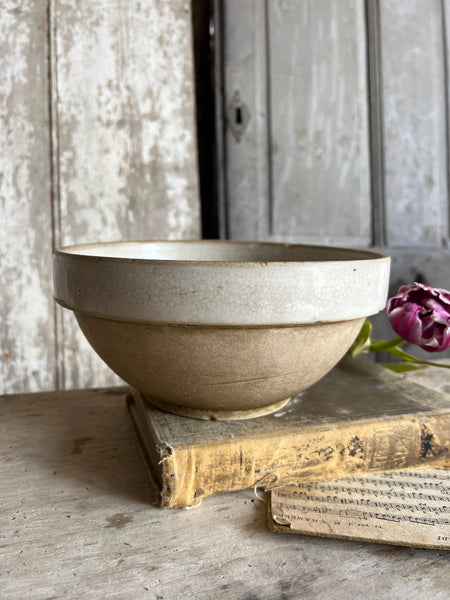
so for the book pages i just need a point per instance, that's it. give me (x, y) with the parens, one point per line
(410, 508)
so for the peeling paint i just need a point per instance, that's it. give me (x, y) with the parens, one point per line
(124, 160)
(27, 351)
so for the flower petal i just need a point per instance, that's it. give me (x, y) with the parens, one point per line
(406, 323)
(420, 314)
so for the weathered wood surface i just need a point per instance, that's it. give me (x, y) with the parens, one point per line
(27, 353)
(300, 172)
(106, 90)
(319, 122)
(433, 377)
(247, 170)
(78, 519)
(330, 70)
(414, 135)
(125, 119)
(126, 138)
(301, 169)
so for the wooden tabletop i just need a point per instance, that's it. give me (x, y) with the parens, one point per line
(79, 519)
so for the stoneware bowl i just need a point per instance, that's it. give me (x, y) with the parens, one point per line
(218, 329)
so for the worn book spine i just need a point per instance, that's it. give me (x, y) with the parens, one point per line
(188, 474)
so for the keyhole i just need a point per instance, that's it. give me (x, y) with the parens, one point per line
(237, 116)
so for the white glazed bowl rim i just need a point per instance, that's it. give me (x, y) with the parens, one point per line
(259, 283)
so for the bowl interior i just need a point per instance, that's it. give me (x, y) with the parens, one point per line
(219, 251)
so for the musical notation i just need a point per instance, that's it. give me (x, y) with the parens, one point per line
(401, 507)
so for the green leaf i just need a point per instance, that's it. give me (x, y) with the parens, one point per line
(362, 342)
(402, 367)
(399, 353)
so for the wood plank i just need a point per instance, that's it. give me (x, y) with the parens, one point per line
(27, 359)
(319, 122)
(78, 519)
(247, 159)
(376, 122)
(415, 138)
(126, 157)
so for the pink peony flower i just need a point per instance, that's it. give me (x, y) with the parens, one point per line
(420, 314)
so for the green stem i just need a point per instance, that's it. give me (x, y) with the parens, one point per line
(399, 353)
(380, 345)
(364, 344)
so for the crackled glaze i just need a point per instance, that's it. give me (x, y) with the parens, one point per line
(253, 284)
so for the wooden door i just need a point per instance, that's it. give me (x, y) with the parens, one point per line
(336, 130)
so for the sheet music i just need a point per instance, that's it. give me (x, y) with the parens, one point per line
(409, 508)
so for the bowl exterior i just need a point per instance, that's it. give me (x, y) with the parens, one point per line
(229, 293)
(219, 372)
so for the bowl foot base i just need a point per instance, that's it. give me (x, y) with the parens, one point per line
(216, 415)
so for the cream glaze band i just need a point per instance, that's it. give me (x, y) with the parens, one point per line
(220, 283)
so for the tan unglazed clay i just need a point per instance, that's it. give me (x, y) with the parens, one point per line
(219, 372)
(220, 329)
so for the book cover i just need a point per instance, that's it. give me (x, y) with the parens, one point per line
(405, 508)
(360, 418)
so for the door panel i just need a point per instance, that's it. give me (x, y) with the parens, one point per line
(414, 122)
(312, 75)
(319, 124)
(247, 176)
(347, 135)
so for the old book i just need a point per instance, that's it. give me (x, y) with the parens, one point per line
(406, 508)
(360, 418)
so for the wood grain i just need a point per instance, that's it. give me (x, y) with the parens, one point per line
(301, 170)
(319, 123)
(78, 520)
(125, 114)
(318, 184)
(320, 56)
(27, 356)
(415, 139)
(126, 153)
(247, 160)
(97, 126)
